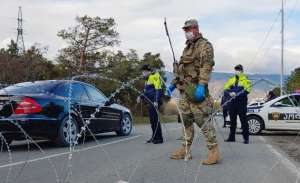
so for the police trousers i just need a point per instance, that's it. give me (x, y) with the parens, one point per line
(238, 107)
(155, 123)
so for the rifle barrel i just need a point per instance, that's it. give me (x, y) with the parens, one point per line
(170, 41)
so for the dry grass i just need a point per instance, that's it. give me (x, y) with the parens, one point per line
(170, 108)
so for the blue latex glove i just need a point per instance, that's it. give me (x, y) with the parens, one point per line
(171, 89)
(200, 93)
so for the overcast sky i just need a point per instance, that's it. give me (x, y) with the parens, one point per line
(236, 28)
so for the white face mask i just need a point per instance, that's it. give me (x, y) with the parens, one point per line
(145, 73)
(189, 35)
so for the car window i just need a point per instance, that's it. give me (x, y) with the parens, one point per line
(79, 93)
(285, 102)
(62, 89)
(29, 88)
(296, 100)
(95, 94)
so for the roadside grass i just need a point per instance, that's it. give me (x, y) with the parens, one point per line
(138, 120)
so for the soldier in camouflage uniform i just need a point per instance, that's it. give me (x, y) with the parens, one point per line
(192, 77)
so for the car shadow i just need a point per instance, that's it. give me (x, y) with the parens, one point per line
(19, 146)
(276, 133)
(280, 133)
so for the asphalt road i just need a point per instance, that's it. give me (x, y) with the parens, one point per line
(286, 142)
(112, 158)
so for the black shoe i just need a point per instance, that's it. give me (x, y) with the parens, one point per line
(246, 141)
(157, 141)
(149, 141)
(230, 140)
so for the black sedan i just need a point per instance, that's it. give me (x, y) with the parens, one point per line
(59, 110)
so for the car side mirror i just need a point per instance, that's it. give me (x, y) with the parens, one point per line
(110, 102)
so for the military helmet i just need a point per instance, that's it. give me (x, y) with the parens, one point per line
(190, 23)
(146, 67)
(238, 67)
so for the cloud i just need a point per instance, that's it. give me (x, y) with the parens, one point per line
(5, 42)
(235, 27)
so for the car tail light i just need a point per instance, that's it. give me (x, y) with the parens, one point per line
(28, 106)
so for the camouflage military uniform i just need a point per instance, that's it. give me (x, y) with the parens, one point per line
(194, 68)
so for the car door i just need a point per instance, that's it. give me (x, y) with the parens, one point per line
(81, 101)
(108, 118)
(282, 113)
(293, 117)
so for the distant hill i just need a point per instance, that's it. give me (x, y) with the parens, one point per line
(260, 88)
(222, 76)
(275, 78)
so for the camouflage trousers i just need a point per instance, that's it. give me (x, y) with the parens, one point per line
(198, 113)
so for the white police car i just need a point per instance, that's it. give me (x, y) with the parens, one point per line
(282, 113)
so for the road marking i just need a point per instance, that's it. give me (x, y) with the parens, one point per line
(66, 153)
(284, 160)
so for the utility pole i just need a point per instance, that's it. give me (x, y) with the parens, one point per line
(20, 39)
(282, 48)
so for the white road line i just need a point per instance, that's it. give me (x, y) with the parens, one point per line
(284, 160)
(66, 153)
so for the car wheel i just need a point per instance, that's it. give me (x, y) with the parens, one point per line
(255, 125)
(126, 126)
(67, 133)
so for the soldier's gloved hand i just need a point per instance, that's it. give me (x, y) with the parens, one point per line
(171, 89)
(200, 93)
(232, 94)
(155, 104)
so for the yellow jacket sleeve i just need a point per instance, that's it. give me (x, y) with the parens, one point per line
(229, 83)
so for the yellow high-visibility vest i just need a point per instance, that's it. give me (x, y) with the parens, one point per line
(155, 80)
(243, 82)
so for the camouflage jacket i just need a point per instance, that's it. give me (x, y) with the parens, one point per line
(196, 63)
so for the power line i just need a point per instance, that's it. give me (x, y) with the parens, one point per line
(266, 37)
(270, 30)
(268, 33)
(292, 10)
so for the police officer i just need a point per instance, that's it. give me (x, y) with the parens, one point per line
(271, 95)
(237, 88)
(152, 95)
(192, 77)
